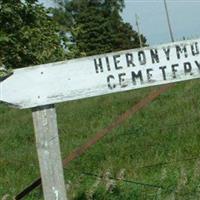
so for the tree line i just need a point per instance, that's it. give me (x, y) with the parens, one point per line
(31, 34)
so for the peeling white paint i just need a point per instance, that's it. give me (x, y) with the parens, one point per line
(55, 192)
(102, 74)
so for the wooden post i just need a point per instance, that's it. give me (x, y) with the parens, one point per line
(48, 149)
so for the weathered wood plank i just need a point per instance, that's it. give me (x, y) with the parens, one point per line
(48, 148)
(102, 74)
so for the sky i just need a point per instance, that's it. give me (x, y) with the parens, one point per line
(184, 18)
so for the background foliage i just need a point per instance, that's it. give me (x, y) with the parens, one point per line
(28, 35)
(96, 26)
(31, 34)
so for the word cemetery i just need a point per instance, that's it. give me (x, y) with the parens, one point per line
(150, 65)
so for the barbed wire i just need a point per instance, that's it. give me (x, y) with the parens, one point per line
(124, 180)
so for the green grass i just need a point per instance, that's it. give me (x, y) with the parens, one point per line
(152, 146)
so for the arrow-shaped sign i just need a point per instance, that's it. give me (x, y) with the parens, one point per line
(102, 74)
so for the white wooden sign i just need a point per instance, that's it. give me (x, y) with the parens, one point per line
(102, 74)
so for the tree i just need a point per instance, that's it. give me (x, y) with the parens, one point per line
(28, 35)
(97, 27)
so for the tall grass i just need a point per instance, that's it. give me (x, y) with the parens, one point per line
(158, 146)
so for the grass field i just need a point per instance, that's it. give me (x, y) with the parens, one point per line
(155, 154)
